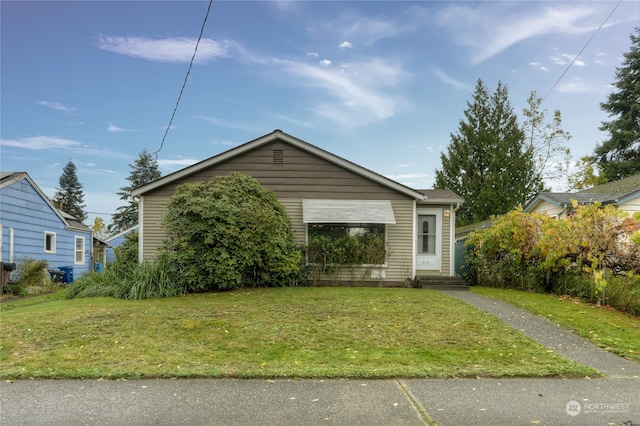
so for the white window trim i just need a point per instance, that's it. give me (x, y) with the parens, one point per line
(54, 240)
(75, 251)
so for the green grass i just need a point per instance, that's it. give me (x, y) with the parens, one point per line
(615, 331)
(269, 333)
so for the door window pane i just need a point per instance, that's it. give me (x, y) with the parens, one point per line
(427, 234)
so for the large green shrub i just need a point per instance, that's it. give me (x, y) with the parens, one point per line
(229, 232)
(591, 253)
(126, 254)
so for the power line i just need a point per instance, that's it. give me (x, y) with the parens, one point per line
(581, 50)
(186, 77)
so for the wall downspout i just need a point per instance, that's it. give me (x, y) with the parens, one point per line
(452, 242)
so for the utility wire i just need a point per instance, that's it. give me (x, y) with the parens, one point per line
(582, 50)
(186, 77)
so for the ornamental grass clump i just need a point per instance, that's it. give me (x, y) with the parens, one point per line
(30, 278)
(147, 280)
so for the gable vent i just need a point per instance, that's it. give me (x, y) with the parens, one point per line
(278, 157)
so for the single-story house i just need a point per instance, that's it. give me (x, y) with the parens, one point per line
(31, 226)
(114, 241)
(321, 190)
(623, 193)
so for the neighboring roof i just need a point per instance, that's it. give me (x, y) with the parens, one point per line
(99, 242)
(616, 192)
(463, 231)
(8, 178)
(441, 195)
(121, 233)
(282, 136)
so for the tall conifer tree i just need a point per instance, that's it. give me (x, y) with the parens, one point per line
(488, 162)
(69, 196)
(143, 171)
(619, 156)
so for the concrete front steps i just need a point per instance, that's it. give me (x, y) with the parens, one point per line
(441, 283)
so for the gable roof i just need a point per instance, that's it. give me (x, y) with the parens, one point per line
(298, 143)
(615, 192)
(121, 233)
(8, 178)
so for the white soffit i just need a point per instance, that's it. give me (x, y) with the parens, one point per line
(347, 211)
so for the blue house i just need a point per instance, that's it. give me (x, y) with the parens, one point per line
(30, 226)
(115, 240)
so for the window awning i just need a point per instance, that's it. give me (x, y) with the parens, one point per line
(347, 211)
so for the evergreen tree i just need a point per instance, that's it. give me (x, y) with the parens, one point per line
(69, 196)
(488, 162)
(619, 156)
(143, 171)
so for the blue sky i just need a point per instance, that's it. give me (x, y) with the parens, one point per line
(382, 84)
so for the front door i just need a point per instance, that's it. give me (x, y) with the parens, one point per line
(428, 239)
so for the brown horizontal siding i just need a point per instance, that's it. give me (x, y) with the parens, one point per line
(301, 175)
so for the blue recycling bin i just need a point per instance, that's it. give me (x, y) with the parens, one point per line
(98, 267)
(67, 272)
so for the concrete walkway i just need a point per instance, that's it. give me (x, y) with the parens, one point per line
(612, 400)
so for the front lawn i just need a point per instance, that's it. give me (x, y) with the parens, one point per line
(268, 333)
(615, 331)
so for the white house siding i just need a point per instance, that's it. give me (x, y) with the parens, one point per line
(544, 207)
(631, 207)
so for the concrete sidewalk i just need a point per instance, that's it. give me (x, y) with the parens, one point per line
(321, 402)
(613, 400)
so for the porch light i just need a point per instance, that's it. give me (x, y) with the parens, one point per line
(447, 213)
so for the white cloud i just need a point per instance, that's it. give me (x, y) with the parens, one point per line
(112, 128)
(449, 80)
(566, 58)
(313, 54)
(369, 30)
(577, 85)
(175, 49)
(354, 93)
(406, 176)
(57, 106)
(174, 164)
(345, 45)
(239, 125)
(489, 28)
(37, 143)
(325, 62)
(539, 66)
